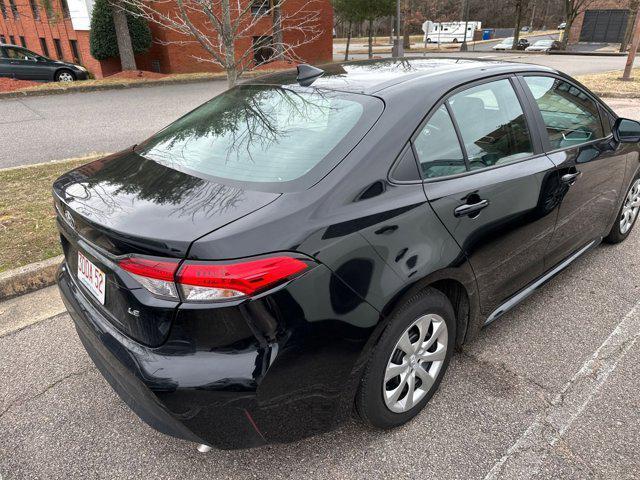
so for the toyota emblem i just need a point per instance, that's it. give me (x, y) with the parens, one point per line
(69, 219)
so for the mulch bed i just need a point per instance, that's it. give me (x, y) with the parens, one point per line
(10, 85)
(136, 75)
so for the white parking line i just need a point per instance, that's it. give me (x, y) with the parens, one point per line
(525, 457)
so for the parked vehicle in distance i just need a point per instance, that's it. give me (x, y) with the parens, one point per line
(525, 29)
(306, 243)
(507, 44)
(22, 64)
(449, 32)
(562, 26)
(544, 46)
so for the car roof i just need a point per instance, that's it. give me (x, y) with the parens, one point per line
(373, 76)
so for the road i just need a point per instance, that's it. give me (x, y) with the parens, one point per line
(40, 129)
(488, 46)
(76, 124)
(571, 64)
(549, 391)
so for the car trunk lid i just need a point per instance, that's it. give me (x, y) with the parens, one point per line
(125, 204)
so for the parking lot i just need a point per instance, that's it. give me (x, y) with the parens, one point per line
(548, 391)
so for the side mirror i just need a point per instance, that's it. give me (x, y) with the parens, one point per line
(626, 131)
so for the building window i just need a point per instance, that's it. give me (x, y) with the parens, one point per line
(74, 51)
(262, 49)
(3, 39)
(23, 42)
(65, 8)
(3, 9)
(44, 47)
(58, 46)
(260, 7)
(12, 40)
(14, 9)
(35, 9)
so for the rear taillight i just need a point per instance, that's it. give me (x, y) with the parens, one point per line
(212, 281)
(155, 275)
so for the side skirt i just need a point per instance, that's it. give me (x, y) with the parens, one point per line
(527, 291)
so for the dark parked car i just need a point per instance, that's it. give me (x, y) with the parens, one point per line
(296, 247)
(23, 64)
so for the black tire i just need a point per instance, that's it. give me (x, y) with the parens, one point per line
(370, 404)
(66, 74)
(616, 235)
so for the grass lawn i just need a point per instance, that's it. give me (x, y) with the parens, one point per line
(27, 219)
(609, 83)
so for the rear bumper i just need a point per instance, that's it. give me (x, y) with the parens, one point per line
(300, 383)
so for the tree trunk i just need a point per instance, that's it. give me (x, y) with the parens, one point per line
(516, 34)
(228, 45)
(406, 41)
(278, 39)
(123, 37)
(628, 34)
(370, 38)
(346, 52)
(570, 16)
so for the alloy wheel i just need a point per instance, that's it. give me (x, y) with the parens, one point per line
(415, 363)
(630, 208)
(65, 77)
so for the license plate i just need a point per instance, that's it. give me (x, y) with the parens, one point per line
(91, 277)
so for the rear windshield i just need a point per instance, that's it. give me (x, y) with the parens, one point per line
(258, 133)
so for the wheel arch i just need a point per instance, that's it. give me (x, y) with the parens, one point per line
(459, 286)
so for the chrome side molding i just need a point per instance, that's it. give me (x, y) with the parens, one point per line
(527, 291)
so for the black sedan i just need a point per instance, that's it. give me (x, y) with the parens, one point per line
(302, 245)
(22, 64)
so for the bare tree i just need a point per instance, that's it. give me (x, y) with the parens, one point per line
(572, 8)
(218, 25)
(520, 6)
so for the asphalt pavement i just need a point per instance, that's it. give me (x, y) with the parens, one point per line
(76, 124)
(549, 391)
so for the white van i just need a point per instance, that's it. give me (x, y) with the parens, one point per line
(449, 32)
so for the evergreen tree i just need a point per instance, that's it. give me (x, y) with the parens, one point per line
(102, 37)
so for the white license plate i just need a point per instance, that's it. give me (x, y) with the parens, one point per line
(91, 277)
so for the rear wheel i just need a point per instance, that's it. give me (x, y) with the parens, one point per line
(409, 361)
(65, 76)
(628, 214)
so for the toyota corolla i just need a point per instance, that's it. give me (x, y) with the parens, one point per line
(316, 243)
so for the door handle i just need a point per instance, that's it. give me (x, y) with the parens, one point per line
(469, 209)
(570, 178)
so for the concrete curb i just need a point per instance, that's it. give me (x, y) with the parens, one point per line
(28, 278)
(606, 95)
(79, 88)
(587, 54)
(97, 88)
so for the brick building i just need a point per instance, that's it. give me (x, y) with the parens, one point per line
(63, 33)
(604, 21)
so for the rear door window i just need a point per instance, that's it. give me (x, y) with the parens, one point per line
(570, 116)
(437, 147)
(492, 124)
(263, 134)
